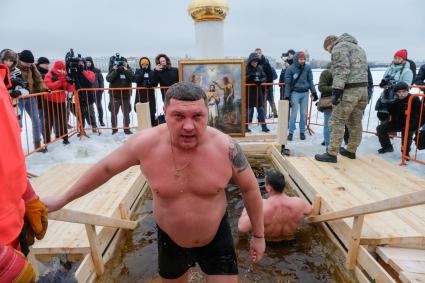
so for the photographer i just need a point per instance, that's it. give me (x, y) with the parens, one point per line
(164, 73)
(270, 77)
(55, 112)
(84, 78)
(254, 94)
(120, 76)
(288, 59)
(397, 118)
(398, 71)
(143, 77)
(98, 83)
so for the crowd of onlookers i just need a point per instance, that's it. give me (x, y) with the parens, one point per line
(52, 111)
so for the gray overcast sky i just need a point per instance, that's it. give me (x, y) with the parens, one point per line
(140, 27)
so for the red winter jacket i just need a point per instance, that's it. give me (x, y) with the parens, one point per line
(56, 81)
(13, 179)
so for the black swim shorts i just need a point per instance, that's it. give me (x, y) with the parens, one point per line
(216, 258)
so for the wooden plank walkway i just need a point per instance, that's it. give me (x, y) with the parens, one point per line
(367, 179)
(409, 263)
(353, 183)
(114, 199)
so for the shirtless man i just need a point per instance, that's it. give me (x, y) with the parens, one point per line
(188, 166)
(282, 213)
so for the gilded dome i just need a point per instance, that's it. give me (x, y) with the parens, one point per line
(208, 10)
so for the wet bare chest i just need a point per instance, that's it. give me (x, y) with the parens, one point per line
(205, 176)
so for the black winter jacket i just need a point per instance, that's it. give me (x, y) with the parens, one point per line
(99, 81)
(144, 78)
(120, 79)
(398, 113)
(254, 94)
(167, 76)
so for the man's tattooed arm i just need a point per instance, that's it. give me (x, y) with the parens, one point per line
(237, 157)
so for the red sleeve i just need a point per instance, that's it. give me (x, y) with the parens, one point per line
(29, 194)
(68, 86)
(50, 84)
(89, 76)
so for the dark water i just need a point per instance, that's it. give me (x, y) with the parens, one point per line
(312, 257)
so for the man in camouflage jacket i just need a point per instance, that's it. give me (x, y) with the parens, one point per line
(349, 95)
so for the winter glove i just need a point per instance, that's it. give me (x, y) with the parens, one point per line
(36, 215)
(315, 97)
(14, 267)
(15, 93)
(336, 95)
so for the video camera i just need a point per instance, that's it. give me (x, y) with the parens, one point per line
(72, 63)
(117, 61)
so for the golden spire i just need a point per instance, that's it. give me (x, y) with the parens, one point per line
(208, 10)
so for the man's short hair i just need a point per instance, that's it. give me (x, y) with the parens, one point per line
(185, 91)
(276, 180)
(258, 48)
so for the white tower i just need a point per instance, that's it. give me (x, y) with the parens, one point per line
(209, 18)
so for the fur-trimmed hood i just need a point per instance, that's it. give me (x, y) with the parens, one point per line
(9, 54)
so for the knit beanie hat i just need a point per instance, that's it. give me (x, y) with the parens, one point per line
(26, 56)
(402, 53)
(43, 60)
(330, 39)
(144, 61)
(401, 86)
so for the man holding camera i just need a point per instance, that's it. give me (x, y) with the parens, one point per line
(397, 118)
(349, 95)
(120, 76)
(270, 77)
(254, 94)
(288, 59)
(164, 73)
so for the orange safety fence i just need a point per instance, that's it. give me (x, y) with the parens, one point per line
(115, 107)
(45, 113)
(418, 130)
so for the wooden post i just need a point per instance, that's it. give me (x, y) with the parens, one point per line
(96, 254)
(282, 122)
(143, 116)
(316, 205)
(353, 249)
(123, 211)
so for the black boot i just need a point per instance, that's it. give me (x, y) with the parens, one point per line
(302, 136)
(114, 131)
(247, 130)
(385, 149)
(290, 137)
(265, 129)
(346, 153)
(128, 132)
(323, 143)
(325, 157)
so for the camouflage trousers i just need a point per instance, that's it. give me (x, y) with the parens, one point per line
(348, 112)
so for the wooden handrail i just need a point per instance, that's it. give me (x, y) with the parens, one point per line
(406, 200)
(74, 216)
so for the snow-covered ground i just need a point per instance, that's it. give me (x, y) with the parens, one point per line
(90, 150)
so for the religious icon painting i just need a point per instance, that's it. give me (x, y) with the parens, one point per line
(222, 81)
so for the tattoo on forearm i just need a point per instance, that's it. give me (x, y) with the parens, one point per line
(237, 157)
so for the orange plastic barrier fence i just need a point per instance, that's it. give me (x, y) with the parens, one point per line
(419, 131)
(40, 116)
